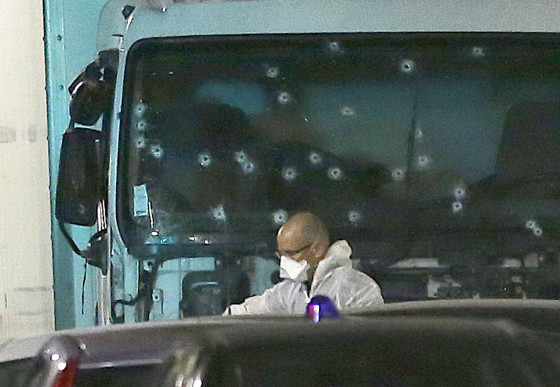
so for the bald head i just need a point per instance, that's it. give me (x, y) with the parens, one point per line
(301, 230)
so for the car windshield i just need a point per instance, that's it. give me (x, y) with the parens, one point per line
(435, 155)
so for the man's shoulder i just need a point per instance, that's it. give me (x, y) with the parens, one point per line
(352, 277)
(284, 285)
(350, 271)
(352, 290)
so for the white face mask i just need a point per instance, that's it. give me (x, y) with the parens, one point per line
(294, 270)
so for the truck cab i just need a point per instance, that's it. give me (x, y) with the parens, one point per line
(425, 134)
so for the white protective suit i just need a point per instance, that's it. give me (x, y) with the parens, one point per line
(350, 289)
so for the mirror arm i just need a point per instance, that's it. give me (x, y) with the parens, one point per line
(71, 242)
(93, 253)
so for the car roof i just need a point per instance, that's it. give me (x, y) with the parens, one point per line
(414, 348)
(152, 342)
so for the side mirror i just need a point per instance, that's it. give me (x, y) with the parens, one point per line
(80, 176)
(91, 91)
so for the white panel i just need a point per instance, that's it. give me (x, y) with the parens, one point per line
(26, 279)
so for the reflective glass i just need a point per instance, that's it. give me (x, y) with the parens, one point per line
(435, 155)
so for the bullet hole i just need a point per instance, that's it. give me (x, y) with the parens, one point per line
(407, 66)
(289, 173)
(457, 207)
(478, 52)
(139, 110)
(398, 174)
(334, 173)
(219, 214)
(204, 159)
(157, 151)
(141, 125)
(280, 216)
(284, 98)
(347, 111)
(537, 231)
(140, 142)
(334, 46)
(423, 161)
(354, 216)
(315, 158)
(459, 193)
(241, 157)
(272, 72)
(248, 167)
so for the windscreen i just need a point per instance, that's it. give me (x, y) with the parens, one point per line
(435, 156)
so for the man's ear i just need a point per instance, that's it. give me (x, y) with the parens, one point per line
(315, 250)
(318, 251)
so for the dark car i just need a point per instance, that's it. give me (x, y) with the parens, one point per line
(508, 342)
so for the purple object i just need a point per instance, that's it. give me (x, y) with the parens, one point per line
(319, 307)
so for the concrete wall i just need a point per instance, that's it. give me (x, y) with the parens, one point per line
(26, 279)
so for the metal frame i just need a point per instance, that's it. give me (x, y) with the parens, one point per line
(68, 48)
(231, 18)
